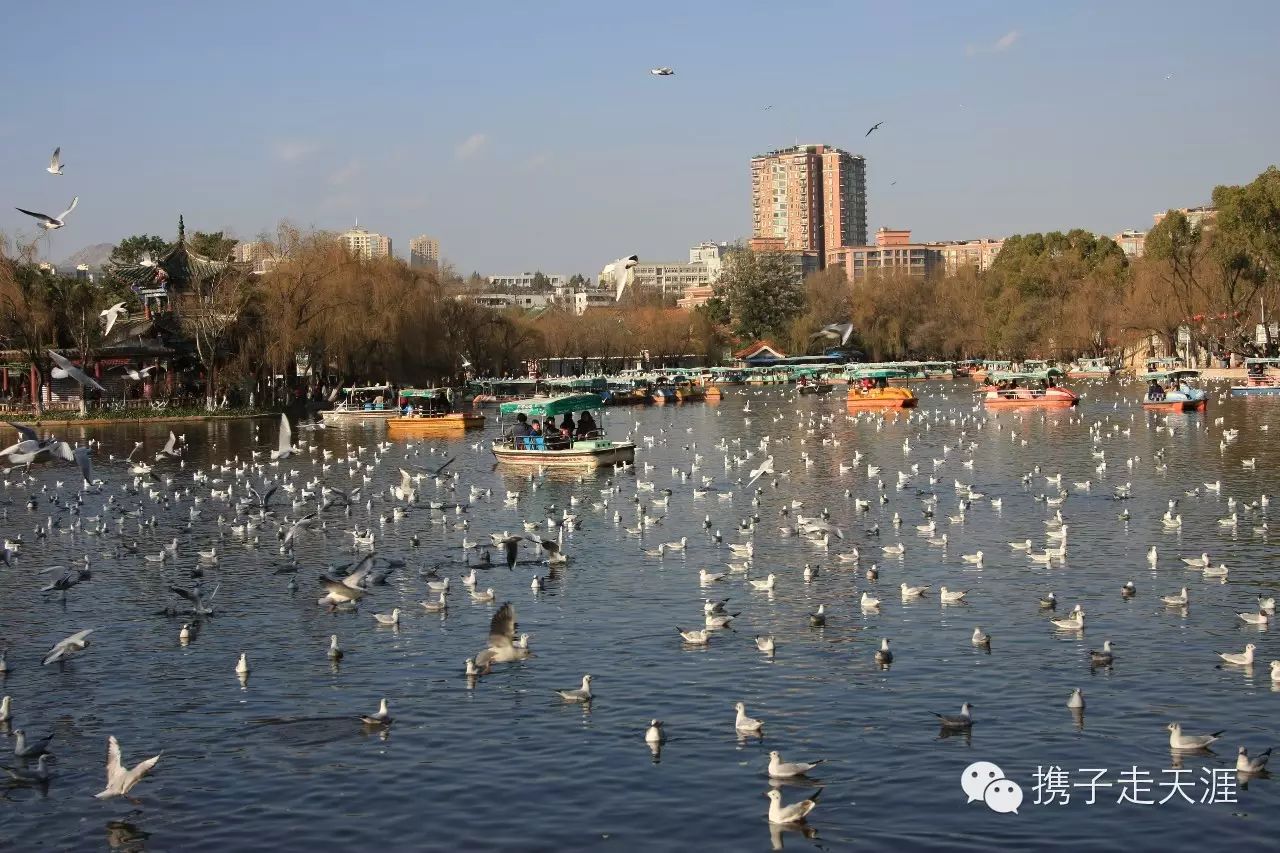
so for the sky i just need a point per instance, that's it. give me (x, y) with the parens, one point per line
(531, 136)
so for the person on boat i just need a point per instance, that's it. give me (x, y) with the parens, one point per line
(568, 423)
(521, 428)
(408, 410)
(440, 402)
(586, 425)
(881, 383)
(1155, 391)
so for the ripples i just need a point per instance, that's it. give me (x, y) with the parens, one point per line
(503, 762)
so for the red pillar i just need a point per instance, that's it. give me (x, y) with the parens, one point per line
(35, 388)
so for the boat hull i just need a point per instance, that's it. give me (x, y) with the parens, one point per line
(825, 388)
(1052, 398)
(576, 457)
(1175, 405)
(352, 416)
(457, 422)
(885, 398)
(1255, 390)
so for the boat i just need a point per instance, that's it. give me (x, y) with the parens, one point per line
(591, 451)
(1178, 396)
(1258, 381)
(1090, 368)
(1004, 392)
(678, 391)
(423, 416)
(363, 403)
(813, 385)
(940, 369)
(628, 393)
(869, 388)
(986, 368)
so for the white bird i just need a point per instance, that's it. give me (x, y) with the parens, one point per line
(694, 638)
(664, 71)
(779, 769)
(654, 735)
(912, 591)
(1244, 658)
(1104, 657)
(581, 694)
(1072, 622)
(1179, 600)
(71, 371)
(55, 166)
(980, 639)
(765, 643)
(766, 467)
(973, 559)
(1179, 741)
(869, 602)
(621, 272)
(1076, 699)
(746, 724)
(112, 314)
(794, 813)
(51, 223)
(382, 717)
(388, 619)
(1197, 562)
(764, 585)
(64, 648)
(883, 655)
(242, 665)
(947, 596)
(285, 441)
(1252, 766)
(1259, 618)
(121, 779)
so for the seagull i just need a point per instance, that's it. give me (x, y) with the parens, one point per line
(766, 467)
(1076, 700)
(654, 735)
(947, 596)
(388, 619)
(286, 448)
(794, 813)
(55, 166)
(980, 639)
(501, 648)
(622, 273)
(779, 769)
(51, 223)
(73, 372)
(23, 749)
(111, 315)
(694, 638)
(964, 721)
(834, 331)
(745, 724)
(120, 779)
(64, 648)
(765, 643)
(883, 655)
(874, 128)
(1244, 658)
(242, 665)
(1102, 658)
(581, 694)
(381, 718)
(1179, 600)
(1252, 766)
(661, 72)
(1179, 741)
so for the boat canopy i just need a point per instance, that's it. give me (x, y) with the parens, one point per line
(879, 373)
(546, 407)
(1002, 376)
(360, 389)
(422, 393)
(1262, 362)
(1175, 373)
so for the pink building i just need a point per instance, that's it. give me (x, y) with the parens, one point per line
(893, 253)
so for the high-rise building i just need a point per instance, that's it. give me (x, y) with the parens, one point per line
(259, 254)
(365, 244)
(809, 198)
(978, 254)
(424, 251)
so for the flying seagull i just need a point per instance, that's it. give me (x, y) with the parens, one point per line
(664, 71)
(77, 642)
(114, 313)
(55, 162)
(834, 331)
(51, 223)
(70, 370)
(121, 779)
(622, 271)
(286, 440)
(874, 127)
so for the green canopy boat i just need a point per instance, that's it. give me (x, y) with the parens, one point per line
(589, 450)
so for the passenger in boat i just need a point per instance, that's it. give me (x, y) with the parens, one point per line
(568, 423)
(586, 425)
(559, 440)
(1155, 391)
(521, 429)
(440, 402)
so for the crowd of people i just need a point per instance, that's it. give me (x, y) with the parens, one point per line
(547, 435)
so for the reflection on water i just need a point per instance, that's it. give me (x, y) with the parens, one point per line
(281, 759)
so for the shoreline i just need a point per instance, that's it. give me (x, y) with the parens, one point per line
(61, 422)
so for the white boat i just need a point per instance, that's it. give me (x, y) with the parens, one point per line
(589, 450)
(363, 403)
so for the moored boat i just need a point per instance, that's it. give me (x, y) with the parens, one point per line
(586, 450)
(1260, 381)
(869, 389)
(1004, 391)
(1171, 391)
(1090, 368)
(433, 424)
(363, 403)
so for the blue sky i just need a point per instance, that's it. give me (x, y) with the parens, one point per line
(528, 136)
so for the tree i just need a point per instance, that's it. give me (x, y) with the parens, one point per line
(214, 316)
(540, 283)
(132, 250)
(762, 291)
(214, 245)
(27, 316)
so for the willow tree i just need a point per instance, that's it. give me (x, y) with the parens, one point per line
(27, 316)
(214, 316)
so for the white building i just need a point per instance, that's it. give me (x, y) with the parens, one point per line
(526, 301)
(258, 253)
(1132, 242)
(672, 278)
(524, 281)
(365, 244)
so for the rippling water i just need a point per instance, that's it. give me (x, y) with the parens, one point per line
(502, 763)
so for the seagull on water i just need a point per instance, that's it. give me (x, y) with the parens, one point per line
(121, 779)
(1102, 658)
(1252, 766)
(381, 718)
(654, 735)
(963, 721)
(794, 813)
(1244, 658)
(745, 724)
(581, 694)
(1179, 741)
(501, 647)
(779, 769)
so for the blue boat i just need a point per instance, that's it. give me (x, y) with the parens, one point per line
(1259, 382)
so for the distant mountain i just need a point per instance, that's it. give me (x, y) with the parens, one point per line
(95, 257)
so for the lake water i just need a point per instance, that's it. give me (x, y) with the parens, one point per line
(283, 763)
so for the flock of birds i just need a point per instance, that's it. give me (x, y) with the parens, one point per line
(274, 498)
